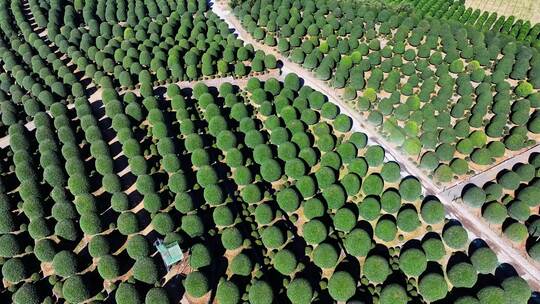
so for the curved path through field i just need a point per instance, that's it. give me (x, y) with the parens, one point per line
(476, 226)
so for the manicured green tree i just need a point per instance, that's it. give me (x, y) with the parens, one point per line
(273, 237)
(260, 292)
(393, 294)
(484, 260)
(108, 267)
(412, 262)
(285, 262)
(75, 290)
(341, 286)
(358, 242)
(196, 284)
(65, 263)
(13, 270)
(516, 232)
(325, 256)
(376, 268)
(433, 287)
(509, 180)
(474, 196)
(241, 265)
(386, 229)
(127, 293)
(145, 270)
(462, 274)
(300, 291)
(27, 293)
(492, 295)
(10, 246)
(455, 236)
(227, 292)
(231, 238)
(516, 290)
(410, 189)
(432, 212)
(314, 231)
(157, 295)
(524, 89)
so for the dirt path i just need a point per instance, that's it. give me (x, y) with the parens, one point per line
(477, 227)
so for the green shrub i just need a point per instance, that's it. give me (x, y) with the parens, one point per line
(270, 170)
(44, 250)
(374, 156)
(433, 248)
(314, 231)
(200, 256)
(10, 246)
(334, 196)
(376, 269)
(231, 238)
(495, 213)
(344, 220)
(341, 286)
(509, 180)
(410, 189)
(192, 225)
(98, 246)
(516, 232)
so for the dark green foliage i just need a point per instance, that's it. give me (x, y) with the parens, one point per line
(433, 287)
(376, 268)
(261, 292)
(196, 284)
(341, 286)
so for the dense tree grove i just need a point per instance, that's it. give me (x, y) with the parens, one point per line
(511, 202)
(112, 140)
(455, 10)
(453, 97)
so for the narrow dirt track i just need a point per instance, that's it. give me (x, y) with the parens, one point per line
(525, 266)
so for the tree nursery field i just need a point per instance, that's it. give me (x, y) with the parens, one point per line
(129, 123)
